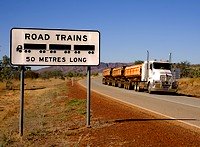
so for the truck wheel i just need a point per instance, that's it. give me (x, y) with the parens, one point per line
(149, 89)
(138, 89)
(125, 86)
(119, 85)
(103, 81)
(135, 87)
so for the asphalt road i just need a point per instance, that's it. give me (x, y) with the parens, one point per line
(182, 108)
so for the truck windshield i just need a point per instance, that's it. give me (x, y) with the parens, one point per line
(158, 65)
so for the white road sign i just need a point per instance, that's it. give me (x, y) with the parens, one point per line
(31, 46)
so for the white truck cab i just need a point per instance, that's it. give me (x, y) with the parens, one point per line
(158, 76)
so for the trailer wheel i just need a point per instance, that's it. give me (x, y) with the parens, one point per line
(119, 85)
(106, 83)
(138, 88)
(114, 84)
(125, 86)
(103, 81)
(135, 87)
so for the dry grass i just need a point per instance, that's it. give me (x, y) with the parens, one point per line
(189, 86)
(47, 110)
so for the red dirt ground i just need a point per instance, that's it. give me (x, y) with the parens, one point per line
(117, 124)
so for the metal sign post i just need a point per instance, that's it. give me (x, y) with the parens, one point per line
(21, 118)
(88, 95)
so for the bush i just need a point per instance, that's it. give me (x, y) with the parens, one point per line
(187, 70)
(52, 74)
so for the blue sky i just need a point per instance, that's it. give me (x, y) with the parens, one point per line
(128, 28)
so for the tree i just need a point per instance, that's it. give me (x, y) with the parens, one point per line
(31, 74)
(9, 72)
(52, 74)
(184, 67)
(188, 70)
(57, 74)
(70, 74)
(138, 62)
(6, 71)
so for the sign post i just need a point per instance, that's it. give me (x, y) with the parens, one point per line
(21, 118)
(49, 47)
(88, 95)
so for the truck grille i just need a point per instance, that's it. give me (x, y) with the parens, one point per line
(162, 78)
(166, 86)
(166, 78)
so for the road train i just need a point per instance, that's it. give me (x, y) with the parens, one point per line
(149, 76)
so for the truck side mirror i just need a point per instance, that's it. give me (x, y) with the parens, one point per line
(151, 66)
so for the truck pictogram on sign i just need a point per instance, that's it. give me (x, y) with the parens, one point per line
(42, 48)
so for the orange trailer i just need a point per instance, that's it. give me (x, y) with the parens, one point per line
(133, 71)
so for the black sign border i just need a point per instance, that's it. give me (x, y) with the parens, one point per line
(75, 30)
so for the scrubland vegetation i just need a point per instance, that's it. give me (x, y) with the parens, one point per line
(189, 86)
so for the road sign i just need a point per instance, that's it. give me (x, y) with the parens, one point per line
(31, 46)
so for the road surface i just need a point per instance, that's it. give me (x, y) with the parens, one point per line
(182, 108)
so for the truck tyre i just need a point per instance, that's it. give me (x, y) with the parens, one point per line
(103, 81)
(119, 85)
(135, 87)
(125, 86)
(113, 84)
(149, 89)
(138, 88)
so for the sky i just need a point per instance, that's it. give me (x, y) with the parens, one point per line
(128, 27)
